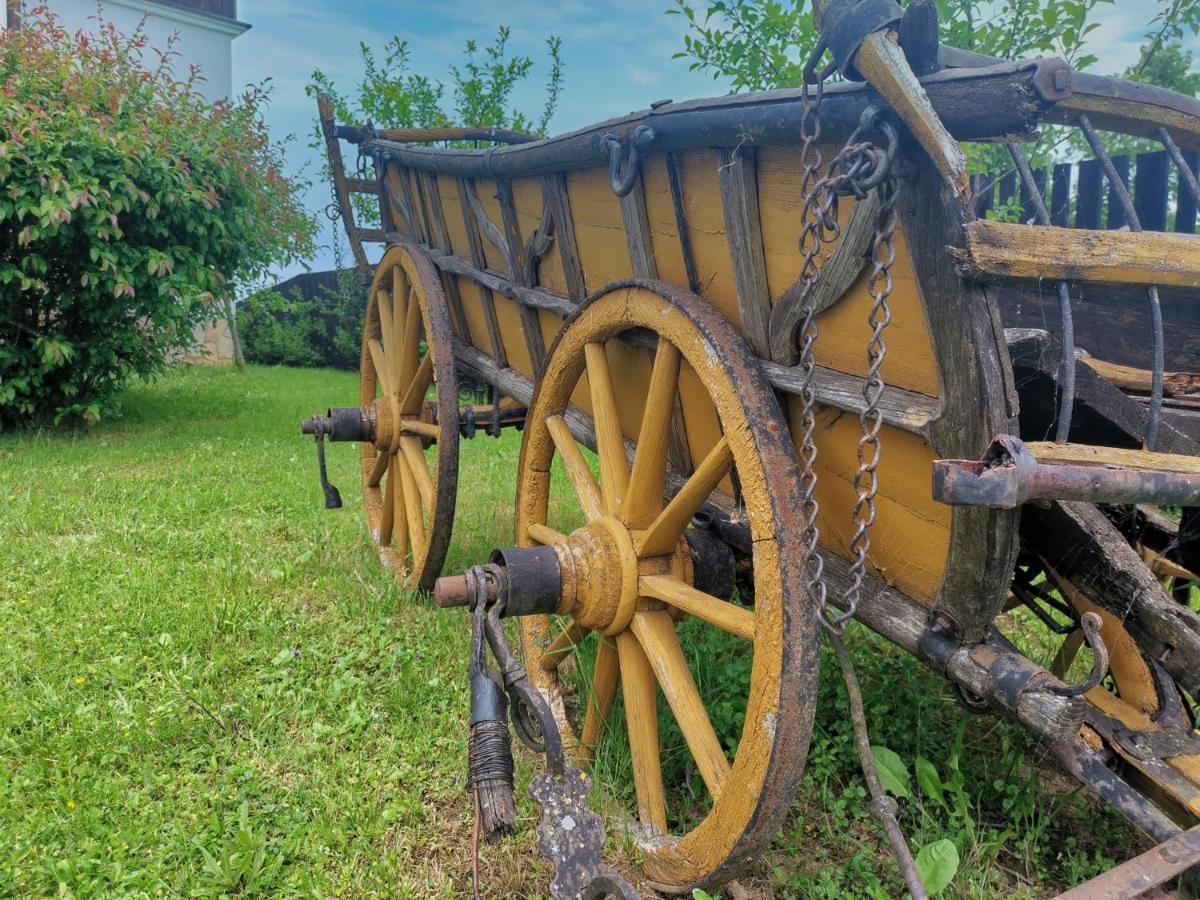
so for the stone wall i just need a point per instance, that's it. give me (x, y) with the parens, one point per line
(216, 345)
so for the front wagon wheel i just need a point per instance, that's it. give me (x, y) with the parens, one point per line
(407, 375)
(637, 619)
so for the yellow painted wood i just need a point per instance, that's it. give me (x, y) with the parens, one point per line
(411, 448)
(655, 631)
(546, 535)
(401, 543)
(452, 212)
(700, 421)
(610, 443)
(485, 190)
(409, 348)
(599, 228)
(387, 330)
(641, 718)
(1089, 455)
(381, 362)
(910, 362)
(701, 184)
(414, 395)
(1079, 254)
(650, 460)
(660, 213)
(551, 322)
(527, 194)
(578, 471)
(378, 468)
(508, 317)
(412, 503)
(726, 616)
(910, 539)
(665, 531)
(629, 368)
(389, 501)
(602, 694)
(416, 426)
(477, 326)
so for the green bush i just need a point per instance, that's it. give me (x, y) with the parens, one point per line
(292, 330)
(129, 207)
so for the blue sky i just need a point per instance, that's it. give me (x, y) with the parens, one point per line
(617, 54)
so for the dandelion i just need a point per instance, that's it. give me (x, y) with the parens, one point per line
(80, 680)
(70, 804)
(22, 602)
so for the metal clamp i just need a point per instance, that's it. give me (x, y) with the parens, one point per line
(612, 146)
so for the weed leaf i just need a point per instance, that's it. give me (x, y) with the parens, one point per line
(929, 780)
(937, 864)
(893, 774)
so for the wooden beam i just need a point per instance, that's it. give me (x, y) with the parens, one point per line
(441, 240)
(531, 328)
(1106, 257)
(466, 188)
(743, 231)
(637, 232)
(554, 193)
(337, 167)
(681, 226)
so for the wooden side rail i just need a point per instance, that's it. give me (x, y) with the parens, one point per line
(1014, 250)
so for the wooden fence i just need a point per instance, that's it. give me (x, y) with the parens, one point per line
(1077, 197)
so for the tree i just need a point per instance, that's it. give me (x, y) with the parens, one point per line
(129, 209)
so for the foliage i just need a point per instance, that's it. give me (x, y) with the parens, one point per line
(130, 208)
(391, 95)
(758, 45)
(293, 330)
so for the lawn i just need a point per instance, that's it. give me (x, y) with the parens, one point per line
(211, 687)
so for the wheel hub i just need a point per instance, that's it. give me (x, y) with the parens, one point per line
(600, 575)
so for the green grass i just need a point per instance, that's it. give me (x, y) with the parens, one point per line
(210, 686)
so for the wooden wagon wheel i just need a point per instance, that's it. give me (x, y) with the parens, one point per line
(631, 573)
(409, 494)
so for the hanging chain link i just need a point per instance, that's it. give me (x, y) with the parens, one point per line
(859, 167)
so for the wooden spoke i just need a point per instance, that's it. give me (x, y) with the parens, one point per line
(641, 719)
(561, 646)
(411, 447)
(645, 497)
(655, 630)
(577, 468)
(412, 504)
(381, 465)
(387, 330)
(388, 519)
(604, 690)
(610, 444)
(416, 426)
(725, 616)
(414, 395)
(546, 535)
(400, 540)
(663, 534)
(383, 369)
(410, 347)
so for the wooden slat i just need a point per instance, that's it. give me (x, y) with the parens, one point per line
(441, 240)
(466, 189)
(726, 616)
(1087, 205)
(362, 185)
(410, 201)
(1089, 455)
(637, 232)
(1116, 209)
(554, 194)
(681, 226)
(373, 235)
(1185, 206)
(1060, 195)
(1150, 189)
(531, 327)
(1130, 378)
(1106, 257)
(743, 231)
(663, 533)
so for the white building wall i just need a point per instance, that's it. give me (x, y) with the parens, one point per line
(205, 41)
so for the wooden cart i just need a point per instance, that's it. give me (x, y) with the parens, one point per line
(685, 294)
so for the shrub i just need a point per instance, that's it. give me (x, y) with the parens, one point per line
(294, 330)
(129, 207)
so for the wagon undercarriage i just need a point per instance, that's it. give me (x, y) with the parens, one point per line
(776, 369)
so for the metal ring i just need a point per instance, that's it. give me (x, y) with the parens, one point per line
(612, 145)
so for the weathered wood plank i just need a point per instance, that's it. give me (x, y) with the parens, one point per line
(1060, 195)
(1032, 251)
(1088, 203)
(441, 241)
(531, 328)
(637, 232)
(1150, 189)
(681, 226)
(1185, 206)
(554, 190)
(743, 231)
(466, 189)
(1116, 207)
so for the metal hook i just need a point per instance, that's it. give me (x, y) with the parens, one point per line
(1091, 624)
(612, 145)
